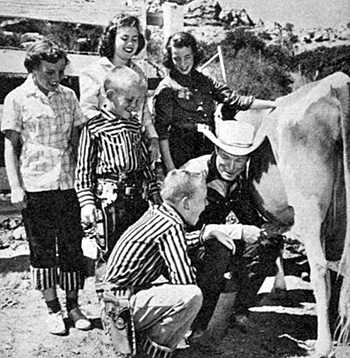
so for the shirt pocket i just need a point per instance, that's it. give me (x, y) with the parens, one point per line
(64, 121)
(48, 126)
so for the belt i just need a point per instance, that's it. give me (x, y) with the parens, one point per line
(134, 177)
(127, 186)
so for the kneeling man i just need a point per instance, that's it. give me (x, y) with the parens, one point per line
(234, 278)
(155, 248)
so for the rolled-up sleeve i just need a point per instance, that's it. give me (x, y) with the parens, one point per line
(230, 98)
(11, 115)
(163, 107)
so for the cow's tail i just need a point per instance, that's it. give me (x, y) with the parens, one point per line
(343, 328)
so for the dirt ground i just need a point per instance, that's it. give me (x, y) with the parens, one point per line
(282, 329)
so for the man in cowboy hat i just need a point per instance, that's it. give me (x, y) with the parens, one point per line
(232, 278)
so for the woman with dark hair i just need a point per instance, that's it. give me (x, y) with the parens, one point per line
(187, 98)
(120, 42)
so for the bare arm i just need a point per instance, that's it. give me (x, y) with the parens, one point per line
(166, 156)
(12, 147)
(151, 134)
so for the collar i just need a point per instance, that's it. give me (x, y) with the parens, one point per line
(32, 89)
(184, 80)
(110, 116)
(213, 173)
(178, 217)
(106, 62)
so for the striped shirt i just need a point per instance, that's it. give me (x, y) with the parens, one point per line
(155, 245)
(45, 124)
(93, 96)
(109, 144)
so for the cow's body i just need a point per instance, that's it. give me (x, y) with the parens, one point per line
(309, 137)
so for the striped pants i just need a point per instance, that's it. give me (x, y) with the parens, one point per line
(52, 224)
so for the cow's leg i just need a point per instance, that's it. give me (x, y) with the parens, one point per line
(320, 282)
(308, 221)
(279, 285)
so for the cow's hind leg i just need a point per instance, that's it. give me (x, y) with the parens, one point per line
(320, 281)
(279, 285)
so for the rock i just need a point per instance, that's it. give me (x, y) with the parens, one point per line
(11, 223)
(19, 233)
(31, 37)
(208, 21)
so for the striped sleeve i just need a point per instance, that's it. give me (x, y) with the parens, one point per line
(85, 174)
(174, 251)
(195, 238)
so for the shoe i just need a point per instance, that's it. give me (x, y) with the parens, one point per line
(79, 319)
(55, 323)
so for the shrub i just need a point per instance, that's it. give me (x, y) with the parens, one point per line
(251, 67)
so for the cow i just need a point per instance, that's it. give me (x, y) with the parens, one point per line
(301, 179)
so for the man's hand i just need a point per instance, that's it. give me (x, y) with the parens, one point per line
(225, 234)
(18, 198)
(88, 215)
(232, 230)
(225, 240)
(218, 114)
(154, 150)
(250, 234)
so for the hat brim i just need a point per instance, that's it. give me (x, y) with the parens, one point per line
(234, 150)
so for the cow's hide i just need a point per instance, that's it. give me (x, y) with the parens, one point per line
(301, 177)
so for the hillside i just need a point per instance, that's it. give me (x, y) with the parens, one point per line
(209, 22)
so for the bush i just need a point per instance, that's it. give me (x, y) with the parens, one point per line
(322, 62)
(251, 67)
(257, 76)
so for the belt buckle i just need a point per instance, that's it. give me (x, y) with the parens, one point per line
(130, 190)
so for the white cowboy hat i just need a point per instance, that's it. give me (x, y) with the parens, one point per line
(234, 137)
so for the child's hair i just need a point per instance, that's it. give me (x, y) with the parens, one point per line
(180, 40)
(44, 50)
(123, 77)
(181, 183)
(107, 41)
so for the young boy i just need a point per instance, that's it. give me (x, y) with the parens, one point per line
(113, 166)
(40, 118)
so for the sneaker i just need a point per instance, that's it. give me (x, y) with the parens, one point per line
(79, 319)
(55, 323)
